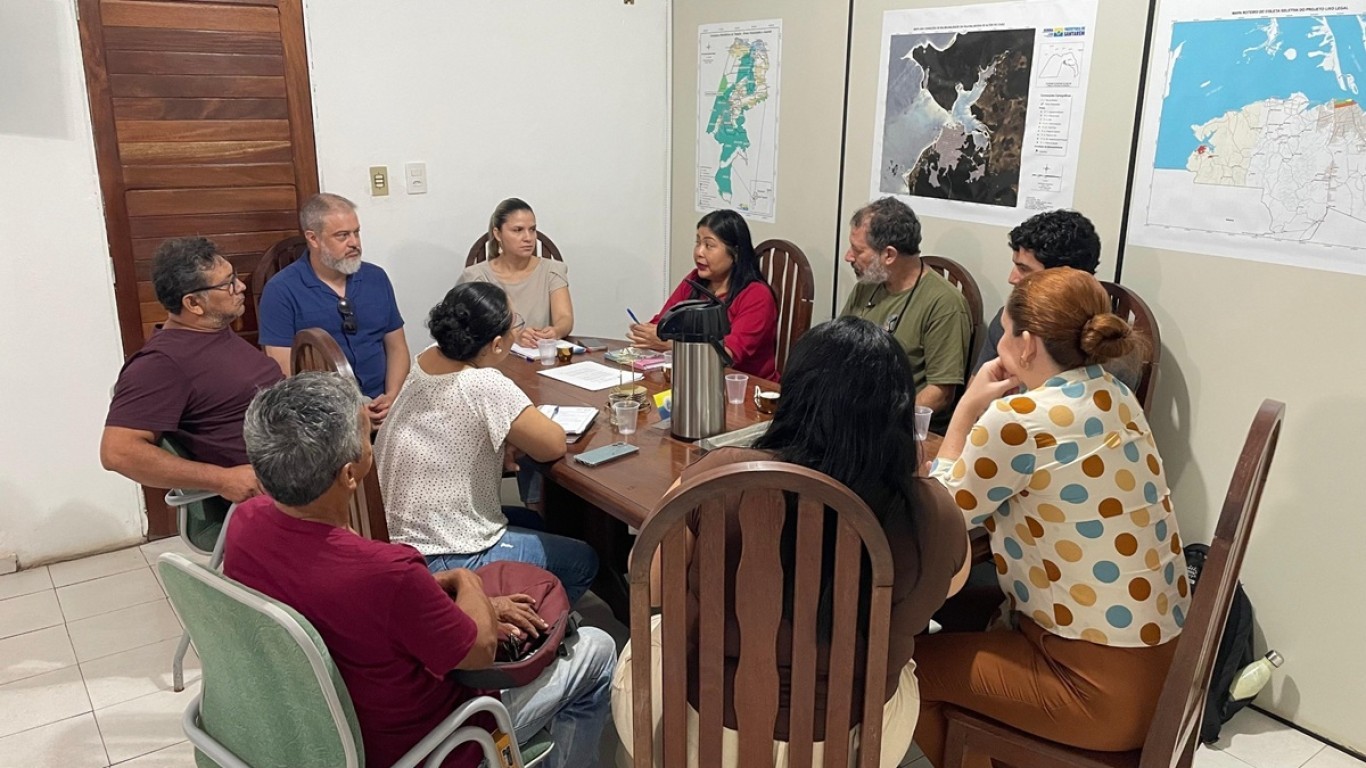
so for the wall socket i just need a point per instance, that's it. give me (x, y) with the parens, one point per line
(379, 181)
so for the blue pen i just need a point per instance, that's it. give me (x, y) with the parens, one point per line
(634, 319)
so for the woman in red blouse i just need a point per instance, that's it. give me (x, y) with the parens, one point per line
(727, 265)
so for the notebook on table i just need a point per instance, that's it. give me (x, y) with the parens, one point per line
(575, 419)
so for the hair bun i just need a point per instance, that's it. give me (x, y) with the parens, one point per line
(1106, 337)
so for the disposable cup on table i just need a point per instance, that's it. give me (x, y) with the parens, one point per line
(624, 415)
(547, 349)
(736, 384)
(922, 421)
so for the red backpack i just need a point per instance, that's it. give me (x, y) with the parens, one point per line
(521, 660)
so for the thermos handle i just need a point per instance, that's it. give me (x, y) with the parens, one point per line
(721, 353)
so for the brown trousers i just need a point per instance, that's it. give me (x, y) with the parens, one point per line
(1069, 691)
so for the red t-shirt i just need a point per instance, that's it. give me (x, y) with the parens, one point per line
(392, 631)
(753, 338)
(195, 388)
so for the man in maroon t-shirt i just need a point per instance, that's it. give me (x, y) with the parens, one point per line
(192, 381)
(395, 632)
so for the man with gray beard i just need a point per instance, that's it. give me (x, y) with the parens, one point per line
(334, 290)
(926, 314)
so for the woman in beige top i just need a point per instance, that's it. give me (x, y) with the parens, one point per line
(538, 287)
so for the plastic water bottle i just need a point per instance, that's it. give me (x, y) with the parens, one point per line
(1252, 678)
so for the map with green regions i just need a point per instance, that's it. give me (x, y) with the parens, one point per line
(737, 109)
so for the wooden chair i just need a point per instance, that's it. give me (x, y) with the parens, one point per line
(1175, 728)
(961, 279)
(276, 258)
(747, 500)
(480, 251)
(1133, 309)
(786, 269)
(315, 350)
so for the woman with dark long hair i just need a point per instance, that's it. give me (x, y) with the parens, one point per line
(847, 410)
(725, 264)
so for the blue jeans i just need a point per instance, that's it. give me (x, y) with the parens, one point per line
(572, 561)
(571, 698)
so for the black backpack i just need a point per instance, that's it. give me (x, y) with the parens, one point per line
(1235, 651)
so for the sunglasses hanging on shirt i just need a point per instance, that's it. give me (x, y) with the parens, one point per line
(348, 316)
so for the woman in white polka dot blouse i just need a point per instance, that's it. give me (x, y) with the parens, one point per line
(1067, 479)
(440, 453)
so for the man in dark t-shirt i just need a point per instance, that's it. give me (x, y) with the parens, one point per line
(192, 381)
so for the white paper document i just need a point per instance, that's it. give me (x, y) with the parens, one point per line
(979, 108)
(591, 376)
(575, 419)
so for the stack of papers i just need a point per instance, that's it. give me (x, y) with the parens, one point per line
(532, 353)
(575, 419)
(590, 375)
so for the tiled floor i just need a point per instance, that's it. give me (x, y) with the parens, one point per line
(85, 676)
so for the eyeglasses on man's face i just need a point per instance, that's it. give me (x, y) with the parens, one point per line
(233, 285)
(348, 315)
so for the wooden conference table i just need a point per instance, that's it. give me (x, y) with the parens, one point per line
(596, 504)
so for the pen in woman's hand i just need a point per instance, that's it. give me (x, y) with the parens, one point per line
(634, 319)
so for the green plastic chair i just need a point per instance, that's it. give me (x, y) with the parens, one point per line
(271, 696)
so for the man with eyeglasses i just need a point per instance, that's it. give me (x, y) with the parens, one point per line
(191, 382)
(334, 290)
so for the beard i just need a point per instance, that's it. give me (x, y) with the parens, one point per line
(875, 273)
(344, 265)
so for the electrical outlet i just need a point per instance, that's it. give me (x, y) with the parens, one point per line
(416, 176)
(379, 180)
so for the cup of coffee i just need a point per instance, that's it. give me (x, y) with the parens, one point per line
(765, 402)
(564, 352)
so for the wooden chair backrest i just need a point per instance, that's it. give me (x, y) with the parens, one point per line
(746, 501)
(961, 279)
(1135, 311)
(315, 350)
(481, 250)
(276, 258)
(786, 269)
(1181, 706)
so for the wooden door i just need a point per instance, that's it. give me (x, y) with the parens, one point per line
(203, 126)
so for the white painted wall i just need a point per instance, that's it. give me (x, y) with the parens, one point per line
(60, 345)
(561, 104)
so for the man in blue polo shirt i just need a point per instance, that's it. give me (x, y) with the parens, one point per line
(334, 290)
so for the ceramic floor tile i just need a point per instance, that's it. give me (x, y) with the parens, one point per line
(71, 743)
(1208, 757)
(153, 549)
(25, 582)
(177, 756)
(1331, 757)
(145, 724)
(123, 630)
(42, 699)
(1262, 742)
(109, 593)
(95, 566)
(27, 613)
(35, 653)
(913, 756)
(132, 674)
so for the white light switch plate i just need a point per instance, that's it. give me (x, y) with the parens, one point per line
(416, 176)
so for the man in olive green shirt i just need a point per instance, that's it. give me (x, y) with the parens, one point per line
(915, 304)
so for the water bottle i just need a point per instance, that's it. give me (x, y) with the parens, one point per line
(1252, 678)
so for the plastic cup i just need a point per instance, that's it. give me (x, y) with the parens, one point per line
(547, 349)
(922, 421)
(624, 415)
(736, 384)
